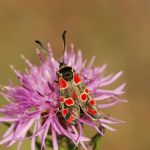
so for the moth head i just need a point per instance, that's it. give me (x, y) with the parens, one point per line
(62, 65)
(66, 72)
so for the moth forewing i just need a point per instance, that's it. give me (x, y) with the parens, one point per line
(86, 102)
(68, 104)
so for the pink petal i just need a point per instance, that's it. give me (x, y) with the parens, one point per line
(40, 55)
(108, 121)
(91, 124)
(7, 139)
(33, 137)
(79, 62)
(45, 133)
(6, 119)
(56, 127)
(102, 68)
(9, 130)
(21, 131)
(27, 61)
(107, 127)
(19, 145)
(102, 106)
(55, 144)
(83, 145)
(91, 62)
(106, 78)
(120, 88)
(114, 78)
(77, 134)
(102, 97)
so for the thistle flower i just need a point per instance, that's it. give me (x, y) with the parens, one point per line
(34, 104)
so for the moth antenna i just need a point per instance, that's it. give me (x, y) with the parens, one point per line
(58, 61)
(41, 45)
(64, 42)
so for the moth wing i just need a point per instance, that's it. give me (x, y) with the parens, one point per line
(69, 106)
(90, 108)
(86, 102)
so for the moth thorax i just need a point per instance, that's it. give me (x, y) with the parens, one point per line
(66, 73)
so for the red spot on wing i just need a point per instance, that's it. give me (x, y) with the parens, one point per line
(86, 90)
(76, 79)
(69, 102)
(91, 111)
(92, 102)
(71, 118)
(64, 112)
(62, 83)
(83, 97)
(61, 99)
(74, 95)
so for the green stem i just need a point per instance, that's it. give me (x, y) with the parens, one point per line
(97, 140)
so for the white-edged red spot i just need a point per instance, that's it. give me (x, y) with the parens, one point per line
(92, 111)
(83, 97)
(92, 102)
(62, 83)
(86, 90)
(74, 95)
(76, 79)
(61, 99)
(64, 112)
(71, 118)
(69, 101)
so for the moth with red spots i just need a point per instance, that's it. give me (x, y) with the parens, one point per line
(74, 96)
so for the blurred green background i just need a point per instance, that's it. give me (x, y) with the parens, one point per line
(117, 32)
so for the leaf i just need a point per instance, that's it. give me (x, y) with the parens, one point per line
(7, 124)
(48, 143)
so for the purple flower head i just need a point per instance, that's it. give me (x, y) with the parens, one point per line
(34, 104)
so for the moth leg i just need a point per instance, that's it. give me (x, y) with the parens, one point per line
(40, 94)
(85, 78)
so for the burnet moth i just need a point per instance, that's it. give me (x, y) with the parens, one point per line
(75, 99)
